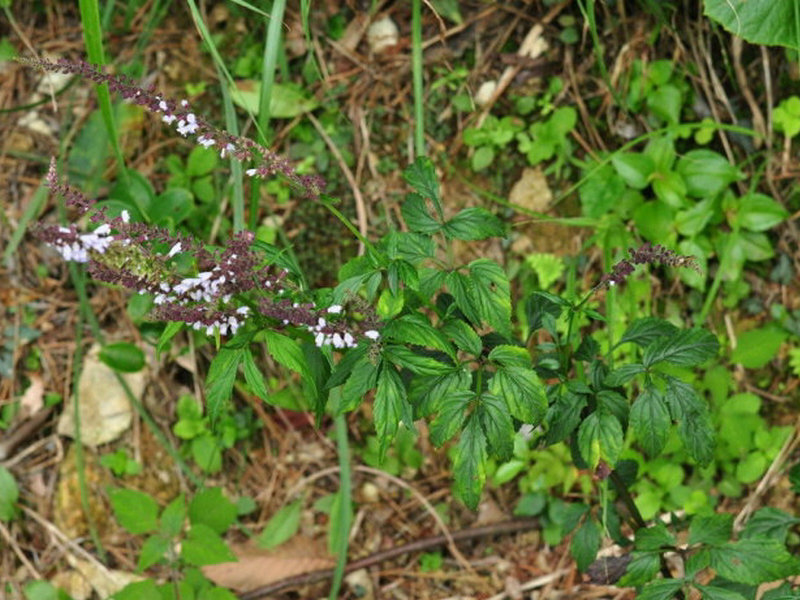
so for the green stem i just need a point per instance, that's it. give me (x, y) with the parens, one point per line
(345, 504)
(416, 68)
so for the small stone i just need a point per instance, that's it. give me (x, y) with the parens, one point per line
(382, 34)
(485, 92)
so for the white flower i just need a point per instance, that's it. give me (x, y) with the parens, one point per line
(372, 334)
(251, 172)
(163, 106)
(126, 216)
(335, 309)
(174, 250)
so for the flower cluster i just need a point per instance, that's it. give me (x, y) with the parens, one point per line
(187, 122)
(134, 255)
(645, 254)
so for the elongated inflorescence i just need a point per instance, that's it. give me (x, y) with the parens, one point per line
(187, 122)
(645, 254)
(218, 296)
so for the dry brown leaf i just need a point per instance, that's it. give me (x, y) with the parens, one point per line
(33, 398)
(257, 567)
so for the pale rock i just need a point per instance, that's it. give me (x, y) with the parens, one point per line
(382, 34)
(485, 92)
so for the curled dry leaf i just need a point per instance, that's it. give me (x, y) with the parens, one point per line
(257, 567)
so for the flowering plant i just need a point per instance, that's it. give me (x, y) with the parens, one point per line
(423, 336)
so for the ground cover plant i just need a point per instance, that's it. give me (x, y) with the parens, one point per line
(315, 359)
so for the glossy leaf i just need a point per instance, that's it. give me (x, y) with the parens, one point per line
(624, 374)
(464, 336)
(585, 544)
(123, 356)
(416, 216)
(451, 412)
(634, 168)
(650, 421)
(706, 173)
(474, 223)
(421, 175)
(522, 392)
(712, 530)
(510, 356)
(220, 379)
(416, 329)
(758, 212)
(390, 408)
(753, 561)
(469, 466)
(771, 523)
(687, 348)
(600, 437)
(361, 380)
(491, 294)
(497, 426)
(643, 332)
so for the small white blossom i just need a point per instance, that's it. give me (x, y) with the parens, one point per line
(251, 172)
(335, 309)
(372, 334)
(174, 250)
(126, 216)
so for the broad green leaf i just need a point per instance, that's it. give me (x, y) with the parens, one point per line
(786, 116)
(624, 374)
(507, 355)
(692, 221)
(482, 158)
(401, 270)
(758, 212)
(220, 379)
(123, 356)
(496, 425)
(463, 290)
(665, 103)
(211, 507)
(345, 366)
(171, 207)
(542, 309)
(660, 589)
(135, 511)
(655, 538)
(427, 391)
(451, 411)
(207, 452)
(706, 173)
(287, 352)
(600, 437)
(756, 246)
(601, 191)
(138, 590)
(491, 294)
(713, 592)
(287, 100)
(755, 348)
(712, 530)
(172, 328)
(421, 176)
(282, 526)
(634, 168)
(253, 376)
(361, 380)
(687, 348)
(753, 561)
(751, 467)
(416, 216)
(464, 336)
(682, 399)
(173, 516)
(655, 221)
(413, 361)
(416, 329)
(650, 421)
(769, 22)
(390, 303)
(643, 332)
(522, 392)
(697, 433)
(202, 546)
(390, 408)
(563, 416)
(585, 544)
(769, 522)
(9, 494)
(670, 189)
(474, 223)
(642, 569)
(153, 550)
(469, 465)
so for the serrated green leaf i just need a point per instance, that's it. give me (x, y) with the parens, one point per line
(654, 539)
(769, 522)
(507, 355)
(464, 336)
(416, 329)
(694, 421)
(282, 526)
(170, 331)
(469, 465)
(711, 530)
(416, 216)
(211, 507)
(451, 411)
(491, 294)
(497, 426)
(754, 561)
(522, 392)
(390, 408)
(361, 380)
(624, 374)
(413, 361)
(135, 511)
(585, 544)
(220, 379)
(287, 352)
(173, 516)
(462, 289)
(421, 176)
(345, 366)
(687, 348)
(600, 437)
(202, 546)
(644, 332)
(253, 376)
(153, 550)
(661, 589)
(563, 416)
(642, 569)
(712, 592)
(650, 421)
(426, 391)
(139, 590)
(472, 224)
